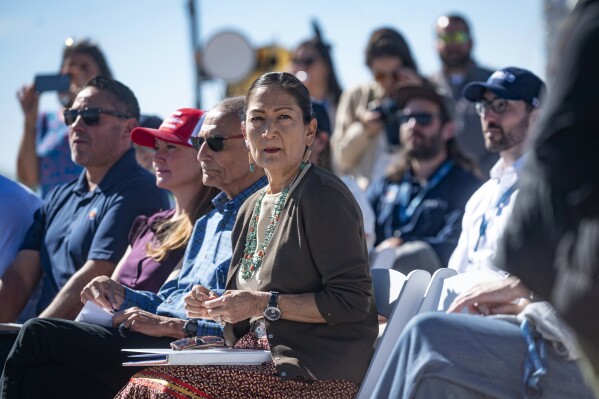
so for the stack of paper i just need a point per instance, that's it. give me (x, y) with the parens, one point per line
(94, 314)
(212, 356)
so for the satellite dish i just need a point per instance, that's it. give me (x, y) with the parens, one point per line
(228, 56)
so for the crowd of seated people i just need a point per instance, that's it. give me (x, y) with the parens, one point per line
(259, 224)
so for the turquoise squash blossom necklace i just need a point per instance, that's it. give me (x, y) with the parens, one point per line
(252, 260)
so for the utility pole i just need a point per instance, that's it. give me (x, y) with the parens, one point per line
(196, 51)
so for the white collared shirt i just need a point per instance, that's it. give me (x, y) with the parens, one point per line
(468, 256)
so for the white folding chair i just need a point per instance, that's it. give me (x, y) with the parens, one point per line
(401, 296)
(430, 302)
(384, 259)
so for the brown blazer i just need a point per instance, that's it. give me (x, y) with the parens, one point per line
(318, 246)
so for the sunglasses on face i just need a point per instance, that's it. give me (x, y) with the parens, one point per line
(90, 116)
(380, 76)
(216, 143)
(498, 105)
(307, 62)
(422, 118)
(459, 37)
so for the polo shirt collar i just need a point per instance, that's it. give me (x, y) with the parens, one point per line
(221, 201)
(121, 168)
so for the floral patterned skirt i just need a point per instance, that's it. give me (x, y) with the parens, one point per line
(230, 382)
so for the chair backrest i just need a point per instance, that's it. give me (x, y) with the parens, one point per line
(406, 306)
(384, 259)
(388, 284)
(430, 302)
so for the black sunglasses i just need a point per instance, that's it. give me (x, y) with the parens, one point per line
(422, 118)
(216, 143)
(308, 61)
(91, 116)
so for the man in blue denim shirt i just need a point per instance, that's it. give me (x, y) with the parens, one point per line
(49, 353)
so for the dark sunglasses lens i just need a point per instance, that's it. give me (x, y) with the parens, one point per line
(303, 61)
(70, 115)
(91, 116)
(216, 144)
(197, 142)
(423, 119)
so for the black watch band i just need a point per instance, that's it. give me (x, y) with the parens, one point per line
(272, 312)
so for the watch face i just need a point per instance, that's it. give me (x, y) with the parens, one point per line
(272, 314)
(190, 328)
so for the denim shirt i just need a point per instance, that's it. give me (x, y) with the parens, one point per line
(206, 262)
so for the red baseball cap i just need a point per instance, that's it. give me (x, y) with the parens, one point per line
(176, 129)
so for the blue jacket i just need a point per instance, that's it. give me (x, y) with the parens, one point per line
(437, 219)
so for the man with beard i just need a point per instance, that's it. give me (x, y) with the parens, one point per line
(527, 351)
(454, 46)
(419, 204)
(508, 105)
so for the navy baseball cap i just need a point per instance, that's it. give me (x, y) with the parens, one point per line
(510, 83)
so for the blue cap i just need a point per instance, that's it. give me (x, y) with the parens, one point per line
(510, 83)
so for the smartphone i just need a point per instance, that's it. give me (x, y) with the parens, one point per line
(52, 83)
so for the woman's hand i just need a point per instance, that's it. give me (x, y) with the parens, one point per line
(493, 297)
(104, 292)
(144, 322)
(234, 306)
(194, 302)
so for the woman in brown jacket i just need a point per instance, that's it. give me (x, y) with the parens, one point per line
(299, 282)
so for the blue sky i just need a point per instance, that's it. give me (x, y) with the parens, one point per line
(148, 42)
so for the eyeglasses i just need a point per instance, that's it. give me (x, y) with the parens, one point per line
(498, 105)
(458, 37)
(422, 118)
(216, 143)
(90, 116)
(381, 76)
(307, 62)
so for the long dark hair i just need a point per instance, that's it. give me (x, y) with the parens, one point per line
(324, 52)
(387, 42)
(93, 50)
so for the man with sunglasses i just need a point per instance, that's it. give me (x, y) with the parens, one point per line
(143, 319)
(508, 104)
(454, 45)
(419, 204)
(528, 351)
(81, 230)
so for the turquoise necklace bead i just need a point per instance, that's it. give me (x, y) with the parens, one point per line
(252, 259)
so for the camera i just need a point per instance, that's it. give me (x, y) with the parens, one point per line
(390, 113)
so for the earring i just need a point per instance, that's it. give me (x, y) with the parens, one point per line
(251, 162)
(305, 159)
